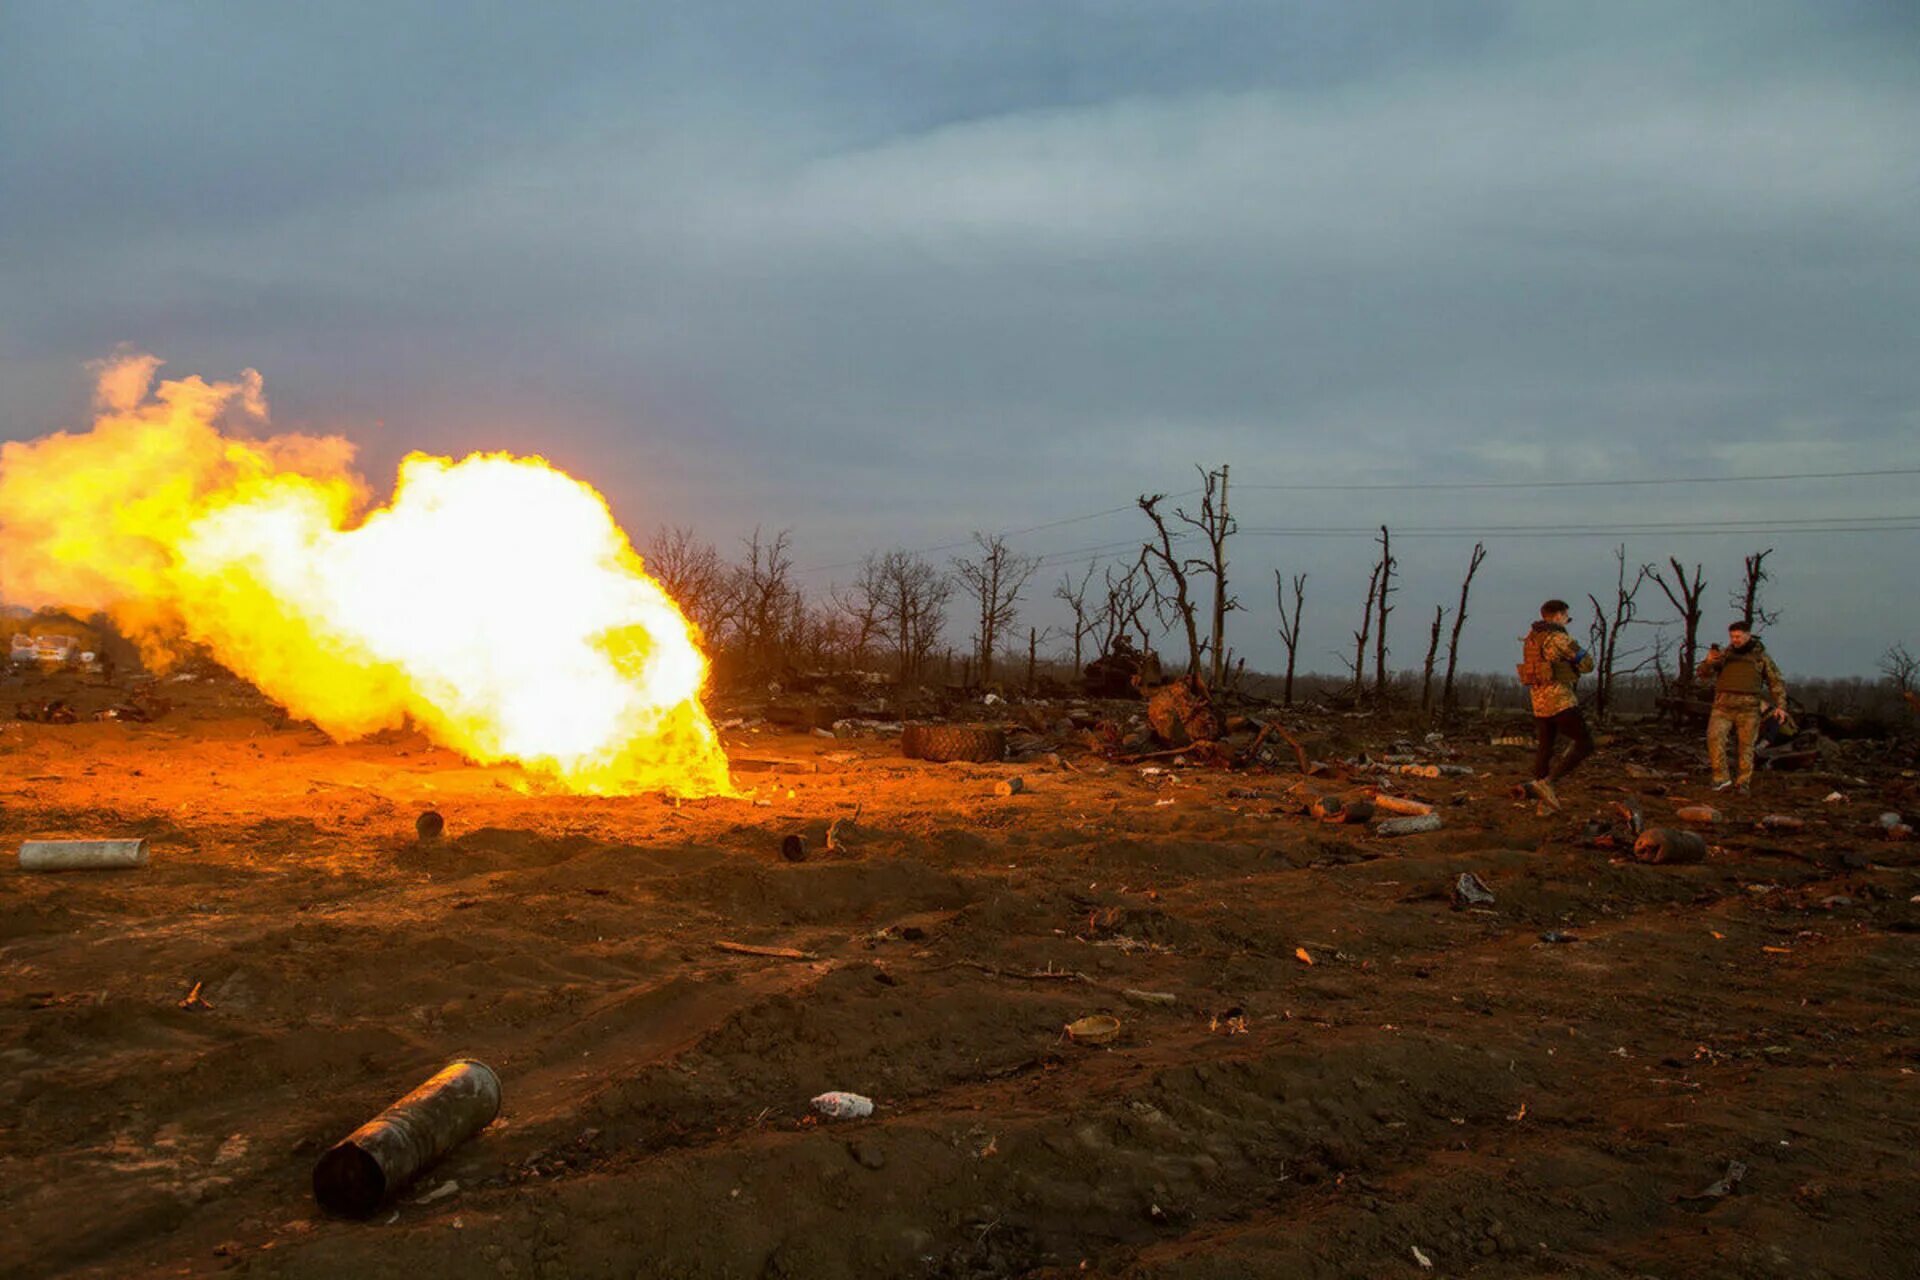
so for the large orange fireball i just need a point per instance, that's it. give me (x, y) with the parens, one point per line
(492, 601)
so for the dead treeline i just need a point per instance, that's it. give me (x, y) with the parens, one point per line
(898, 610)
(1169, 603)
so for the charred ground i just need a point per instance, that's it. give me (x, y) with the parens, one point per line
(1436, 1079)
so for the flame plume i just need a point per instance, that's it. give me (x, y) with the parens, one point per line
(492, 601)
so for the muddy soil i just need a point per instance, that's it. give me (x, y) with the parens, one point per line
(1324, 1068)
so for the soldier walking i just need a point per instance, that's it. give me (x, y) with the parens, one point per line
(1742, 673)
(1552, 662)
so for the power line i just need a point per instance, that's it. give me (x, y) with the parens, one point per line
(1492, 531)
(1052, 558)
(1589, 484)
(1005, 533)
(1662, 531)
(1749, 524)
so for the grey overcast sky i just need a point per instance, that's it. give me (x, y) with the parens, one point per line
(888, 273)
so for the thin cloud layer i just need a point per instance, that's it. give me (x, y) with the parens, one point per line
(889, 277)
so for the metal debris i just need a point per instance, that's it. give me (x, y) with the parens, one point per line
(1470, 891)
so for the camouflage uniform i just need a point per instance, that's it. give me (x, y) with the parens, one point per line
(1569, 664)
(1556, 709)
(1739, 676)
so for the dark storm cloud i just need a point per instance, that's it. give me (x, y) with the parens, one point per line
(891, 273)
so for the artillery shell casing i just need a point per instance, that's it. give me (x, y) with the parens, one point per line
(387, 1152)
(82, 855)
(1669, 845)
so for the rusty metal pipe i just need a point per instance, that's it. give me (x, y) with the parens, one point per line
(82, 855)
(387, 1152)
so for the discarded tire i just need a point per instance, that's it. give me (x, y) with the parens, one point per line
(946, 742)
(1667, 845)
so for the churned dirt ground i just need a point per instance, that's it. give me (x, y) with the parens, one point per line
(1437, 1083)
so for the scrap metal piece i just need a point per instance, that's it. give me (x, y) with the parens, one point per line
(1471, 891)
(1722, 1187)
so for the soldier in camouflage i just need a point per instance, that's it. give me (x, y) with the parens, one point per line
(1742, 674)
(1552, 663)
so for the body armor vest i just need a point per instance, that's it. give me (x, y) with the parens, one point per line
(1535, 668)
(1742, 672)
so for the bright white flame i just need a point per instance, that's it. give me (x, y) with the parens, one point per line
(493, 601)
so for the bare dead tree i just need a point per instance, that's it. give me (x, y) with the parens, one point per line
(1901, 669)
(1215, 525)
(1597, 633)
(1124, 609)
(1447, 702)
(859, 607)
(762, 598)
(995, 578)
(1035, 637)
(1433, 650)
(909, 600)
(1657, 660)
(803, 636)
(1290, 624)
(1747, 600)
(1387, 563)
(842, 638)
(816, 638)
(1359, 664)
(1684, 594)
(1166, 574)
(1085, 622)
(691, 571)
(1608, 629)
